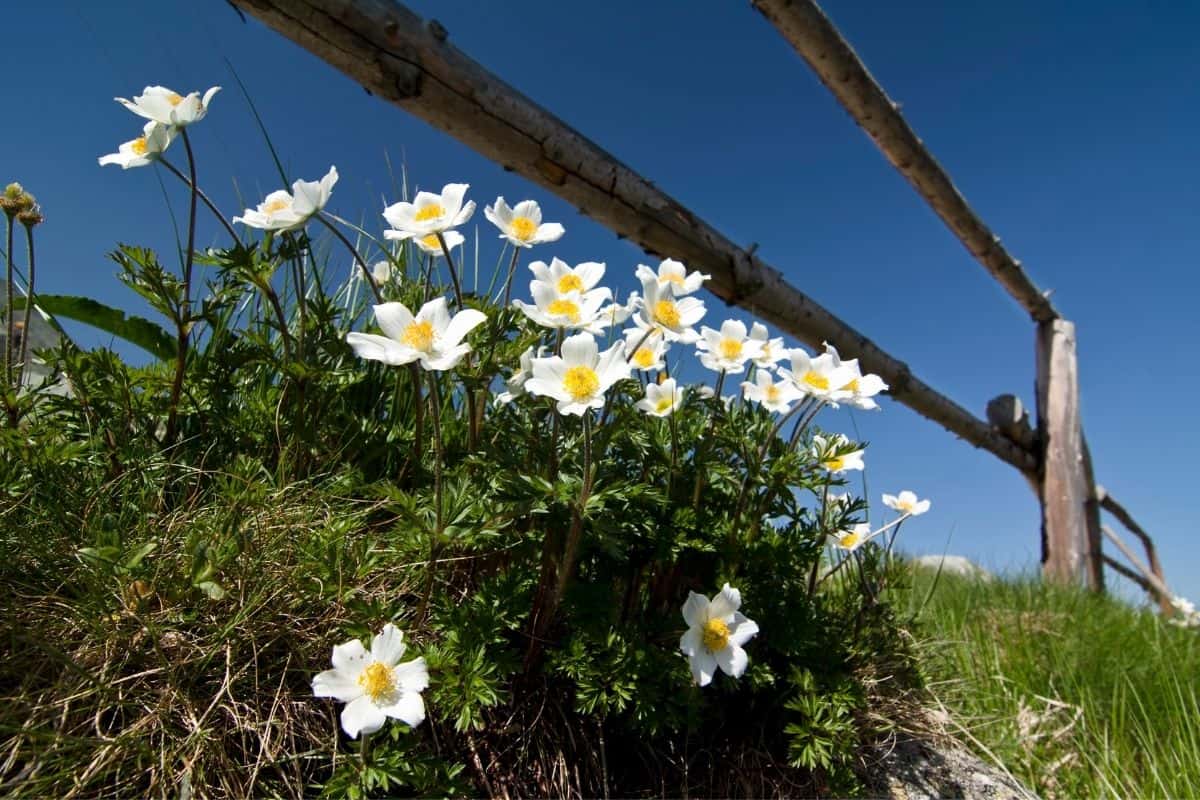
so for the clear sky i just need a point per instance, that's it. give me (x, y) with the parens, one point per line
(1071, 127)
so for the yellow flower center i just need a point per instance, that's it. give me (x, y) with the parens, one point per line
(674, 278)
(377, 681)
(904, 505)
(772, 393)
(715, 635)
(731, 349)
(523, 228)
(570, 283)
(419, 335)
(667, 313)
(664, 404)
(174, 99)
(852, 386)
(644, 357)
(816, 380)
(276, 206)
(581, 382)
(849, 539)
(834, 464)
(431, 241)
(564, 308)
(138, 146)
(433, 211)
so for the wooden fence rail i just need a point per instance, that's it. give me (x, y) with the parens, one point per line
(397, 56)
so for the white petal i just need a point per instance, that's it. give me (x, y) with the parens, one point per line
(336, 684)
(704, 666)
(463, 323)
(393, 319)
(742, 630)
(549, 232)
(388, 646)
(727, 601)
(350, 657)
(580, 349)
(695, 610)
(412, 676)
(690, 643)
(362, 716)
(380, 348)
(732, 660)
(408, 708)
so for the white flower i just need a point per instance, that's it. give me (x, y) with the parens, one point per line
(836, 500)
(522, 224)
(432, 337)
(580, 377)
(381, 271)
(770, 351)
(715, 635)
(852, 539)
(576, 310)
(566, 280)
(430, 244)
(826, 452)
(616, 313)
(661, 398)
(516, 384)
(375, 685)
(661, 312)
(143, 150)
(160, 104)
(281, 211)
(429, 213)
(819, 377)
(861, 388)
(773, 396)
(906, 503)
(728, 349)
(673, 274)
(650, 351)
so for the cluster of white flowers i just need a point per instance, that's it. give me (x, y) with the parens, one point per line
(168, 113)
(1186, 615)
(855, 536)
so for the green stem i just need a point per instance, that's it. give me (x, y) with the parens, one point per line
(10, 329)
(203, 198)
(458, 293)
(184, 316)
(512, 269)
(358, 259)
(28, 308)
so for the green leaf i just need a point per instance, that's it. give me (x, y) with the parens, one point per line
(135, 330)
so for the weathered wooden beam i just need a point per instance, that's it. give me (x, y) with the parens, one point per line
(1110, 504)
(1158, 586)
(1067, 544)
(814, 37)
(1120, 568)
(392, 53)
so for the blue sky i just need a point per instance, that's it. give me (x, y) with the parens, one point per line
(1070, 127)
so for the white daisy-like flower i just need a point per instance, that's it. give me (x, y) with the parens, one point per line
(579, 378)
(287, 211)
(661, 399)
(861, 389)
(429, 244)
(650, 351)
(160, 104)
(145, 149)
(715, 635)
(771, 351)
(906, 503)
(659, 311)
(375, 685)
(728, 349)
(775, 396)
(818, 377)
(851, 539)
(566, 280)
(432, 337)
(576, 310)
(515, 385)
(522, 224)
(429, 213)
(673, 274)
(826, 452)
(615, 313)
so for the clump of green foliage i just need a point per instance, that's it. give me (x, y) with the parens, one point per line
(184, 541)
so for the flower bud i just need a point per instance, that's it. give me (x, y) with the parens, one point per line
(31, 216)
(10, 201)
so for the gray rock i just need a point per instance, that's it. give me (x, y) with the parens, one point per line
(911, 768)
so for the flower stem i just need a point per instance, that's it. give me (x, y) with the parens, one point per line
(184, 313)
(436, 400)
(203, 198)
(10, 329)
(458, 293)
(358, 259)
(28, 309)
(512, 269)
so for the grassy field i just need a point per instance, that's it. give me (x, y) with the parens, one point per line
(1076, 695)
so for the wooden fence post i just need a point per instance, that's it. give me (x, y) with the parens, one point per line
(1069, 551)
